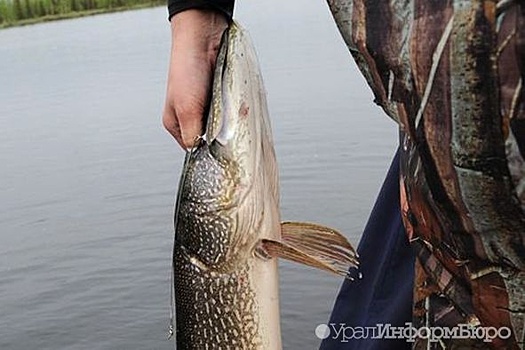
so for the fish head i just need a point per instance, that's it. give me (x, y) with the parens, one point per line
(238, 125)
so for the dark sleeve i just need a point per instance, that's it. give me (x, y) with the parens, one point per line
(225, 6)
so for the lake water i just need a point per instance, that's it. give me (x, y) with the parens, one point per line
(88, 176)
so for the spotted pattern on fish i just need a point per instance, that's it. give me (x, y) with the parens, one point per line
(217, 310)
(202, 226)
(214, 302)
(224, 296)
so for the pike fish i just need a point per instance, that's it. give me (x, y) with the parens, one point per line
(228, 233)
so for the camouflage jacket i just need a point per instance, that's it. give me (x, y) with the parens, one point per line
(450, 73)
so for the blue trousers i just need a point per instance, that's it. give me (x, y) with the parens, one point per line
(383, 294)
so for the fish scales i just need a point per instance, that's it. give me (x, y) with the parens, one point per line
(228, 233)
(218, 302)
(210, 304)
(215, 307)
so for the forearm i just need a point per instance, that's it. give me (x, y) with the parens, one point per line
(197, 34)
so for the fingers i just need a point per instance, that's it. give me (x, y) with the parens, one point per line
(171, 124)
(187, 97)
(183, 115)
(184, 119)
(191, 123)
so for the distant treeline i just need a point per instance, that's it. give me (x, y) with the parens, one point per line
(14, 12)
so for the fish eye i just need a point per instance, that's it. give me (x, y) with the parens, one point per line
(217, 150)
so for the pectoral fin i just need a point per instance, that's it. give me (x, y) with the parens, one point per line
(313, 245)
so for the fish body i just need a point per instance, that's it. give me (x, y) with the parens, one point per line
(228, 231)
(227, 297)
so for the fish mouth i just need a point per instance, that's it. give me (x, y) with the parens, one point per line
(214, 122)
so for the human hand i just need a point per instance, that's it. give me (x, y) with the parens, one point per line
(196, 37)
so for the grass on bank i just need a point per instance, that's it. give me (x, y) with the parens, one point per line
(25, 12)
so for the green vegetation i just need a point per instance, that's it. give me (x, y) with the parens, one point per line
(22, 12)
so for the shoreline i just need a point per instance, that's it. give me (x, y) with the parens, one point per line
(76, 14)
